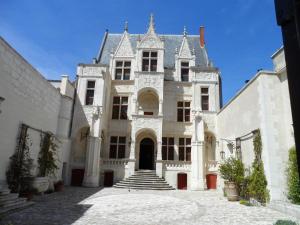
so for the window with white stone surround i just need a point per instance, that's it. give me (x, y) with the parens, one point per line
(167, 148)
(122, 70)
(90, 91)
(120, 106)
(183, 111)
(117, 147)
(149, 61)
(205, 98)
(184, 71)
(184, 149)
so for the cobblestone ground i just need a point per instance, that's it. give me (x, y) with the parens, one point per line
(83, 206)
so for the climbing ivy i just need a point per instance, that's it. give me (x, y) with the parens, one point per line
(293, 177)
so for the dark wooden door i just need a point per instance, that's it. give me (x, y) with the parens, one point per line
(77, 177)
(108, 178)
(146, 154)
(182, 181)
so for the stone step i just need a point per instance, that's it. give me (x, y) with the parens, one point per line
(14, 202)
(4, 192)
(144, 187)
(143, 178)
(10, 201)
(144, 184)
(21, 205)
(8, 197)
(145, 181)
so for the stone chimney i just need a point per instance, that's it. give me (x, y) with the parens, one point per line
(202, 41)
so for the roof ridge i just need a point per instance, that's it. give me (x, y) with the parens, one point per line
(180, 35)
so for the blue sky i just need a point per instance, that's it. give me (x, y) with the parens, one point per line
(54, 36)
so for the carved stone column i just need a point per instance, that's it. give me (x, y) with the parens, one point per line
(159, 171)
(198, 175)
(92, 167)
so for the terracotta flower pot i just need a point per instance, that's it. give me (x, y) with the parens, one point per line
(232, 192)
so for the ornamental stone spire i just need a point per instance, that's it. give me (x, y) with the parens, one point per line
(184, 31)
(126, 26)
(151, 28)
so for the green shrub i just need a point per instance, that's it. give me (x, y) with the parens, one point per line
(232, 170)
(257, 187)
(285, 222)
(293, 177)
(245, 202)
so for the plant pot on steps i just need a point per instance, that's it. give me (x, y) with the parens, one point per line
(232, 192)
(40, 184)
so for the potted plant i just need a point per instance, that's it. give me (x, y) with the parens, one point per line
(59, 186)
(232, 171)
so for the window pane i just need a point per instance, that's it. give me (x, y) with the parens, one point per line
(180, 115)
(171, 141)
(119, 63)
(123, 112)
(188, 141)
(145, 54)
(113, 139)
(187, 104)
(124, 100)
(118, 75)
(116, 100)
(113, 152)
(153, 65)
(89, 99)
(121, 152)
(164, 152)
(145, 65)
(184, 64)
(153, 54)
(127, 64)
(115, 112)
(91, 84)
(164, 141)
(171, 153)
(184, 78)
(181, 141)
(204, 90)
(179, 104)
(122, 140)
(205, 104)
(181, 153)
(187, 115)
(188, 154)
(184, 71)
(126, 74)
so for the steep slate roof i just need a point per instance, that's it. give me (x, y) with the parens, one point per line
(111, 41)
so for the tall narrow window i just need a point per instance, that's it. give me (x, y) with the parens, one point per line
(167, 148)
(185, 149)
(122, 71)
(185, 71)
(120, 105)
(117, 147)
(183, 111)
(149, 61)
(204, 99)
(90, 91)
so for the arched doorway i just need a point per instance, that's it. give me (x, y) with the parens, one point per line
(146, 161)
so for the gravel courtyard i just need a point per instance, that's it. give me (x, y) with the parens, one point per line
(83, 206)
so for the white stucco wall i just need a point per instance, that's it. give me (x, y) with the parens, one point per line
(29, 99)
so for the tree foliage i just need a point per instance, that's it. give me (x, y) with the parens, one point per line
(293, 177)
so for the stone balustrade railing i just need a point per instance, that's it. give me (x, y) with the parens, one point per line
(115, 162)
(177, 165)
(212, 166)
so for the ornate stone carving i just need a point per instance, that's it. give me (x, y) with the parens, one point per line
(150, 81)
(185, 51)
(204, 76)
(124, 49)
(92, 71)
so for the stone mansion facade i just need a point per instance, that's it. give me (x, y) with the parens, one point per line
(151, 102)
(147, 102)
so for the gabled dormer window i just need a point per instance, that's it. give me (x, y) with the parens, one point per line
(122, 71)
(185, 71)
(149, 61)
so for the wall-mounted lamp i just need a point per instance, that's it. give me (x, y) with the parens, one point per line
(1, 100)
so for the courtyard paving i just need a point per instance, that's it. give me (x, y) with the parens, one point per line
(85, 206)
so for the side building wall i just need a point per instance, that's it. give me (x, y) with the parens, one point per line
(262, 104)
(32, 100)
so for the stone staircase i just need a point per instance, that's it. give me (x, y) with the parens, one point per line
(11, 202)
(144, 180)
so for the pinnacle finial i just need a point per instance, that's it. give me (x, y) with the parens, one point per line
(126, 26)
(151, 24)
(184, 31)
